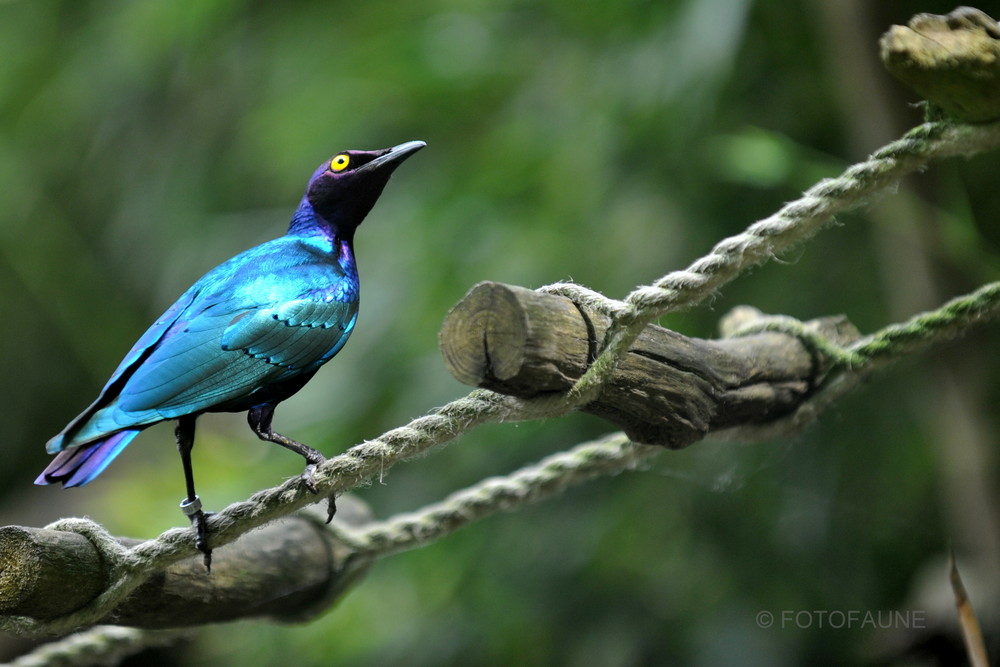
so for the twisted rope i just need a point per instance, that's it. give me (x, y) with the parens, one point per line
(851, 364)
(949, 321)
(605, 456)
(793, 224)
(104, 645)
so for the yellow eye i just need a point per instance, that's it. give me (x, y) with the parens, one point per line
(340, 162)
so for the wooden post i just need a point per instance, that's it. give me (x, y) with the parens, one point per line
(669, 390)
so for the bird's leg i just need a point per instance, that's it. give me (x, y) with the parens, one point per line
(191, 506)
(259, 417)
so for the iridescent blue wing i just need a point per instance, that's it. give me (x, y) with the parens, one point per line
(224, 354)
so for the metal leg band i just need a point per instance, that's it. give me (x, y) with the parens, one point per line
(191, 507)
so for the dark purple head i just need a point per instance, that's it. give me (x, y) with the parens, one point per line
(344, 189)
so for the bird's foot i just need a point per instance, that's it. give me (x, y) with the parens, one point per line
(308, 475)
(331, 508)
(309, 482)
(199, 519)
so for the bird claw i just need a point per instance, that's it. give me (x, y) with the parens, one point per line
(307, 478)
(199, 519)
(313, 462)
(310, 483)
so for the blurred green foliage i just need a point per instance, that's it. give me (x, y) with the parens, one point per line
(143, 142)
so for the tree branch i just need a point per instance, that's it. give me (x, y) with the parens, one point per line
(668, 389)
(289, 570)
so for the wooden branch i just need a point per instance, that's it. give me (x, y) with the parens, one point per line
(288, 570)
(952, 61)
(668, 390)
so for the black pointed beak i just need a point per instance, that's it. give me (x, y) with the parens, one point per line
(393, 157)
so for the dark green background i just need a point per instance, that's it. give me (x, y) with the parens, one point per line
(143, 142)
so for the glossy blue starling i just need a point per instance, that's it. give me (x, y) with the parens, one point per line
(247, 335)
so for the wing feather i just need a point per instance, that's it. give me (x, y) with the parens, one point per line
(225, 355)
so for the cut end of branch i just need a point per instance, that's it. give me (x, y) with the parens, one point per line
(45, 573)
(491, 337)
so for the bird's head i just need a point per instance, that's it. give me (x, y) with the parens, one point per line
(345, 187)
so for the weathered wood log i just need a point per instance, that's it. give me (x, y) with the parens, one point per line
(47, 573)
(668, 390)
(288, 570)
(953, 61)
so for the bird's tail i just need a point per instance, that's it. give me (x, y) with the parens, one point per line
(79, 465)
